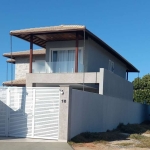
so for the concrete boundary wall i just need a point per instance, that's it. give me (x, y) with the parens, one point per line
(92, 112)
(114, 85)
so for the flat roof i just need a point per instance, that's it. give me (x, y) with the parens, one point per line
(66, 32)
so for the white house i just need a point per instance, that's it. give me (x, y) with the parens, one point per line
(74, 68)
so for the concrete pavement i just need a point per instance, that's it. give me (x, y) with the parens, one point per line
(32, 144)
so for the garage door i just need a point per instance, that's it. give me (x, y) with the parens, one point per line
(34, 112)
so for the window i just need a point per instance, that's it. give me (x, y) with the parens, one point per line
(63, 60)
(111, 66)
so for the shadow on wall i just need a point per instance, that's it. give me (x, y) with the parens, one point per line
(88, 137)
(13, 119)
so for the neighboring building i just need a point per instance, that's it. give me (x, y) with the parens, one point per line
(21, 61)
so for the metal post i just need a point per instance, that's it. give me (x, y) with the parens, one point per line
(31, 53)
(11, 59)
(7, 72)
(83, 60)
(76, 53)
(127, 75)
(7, 112)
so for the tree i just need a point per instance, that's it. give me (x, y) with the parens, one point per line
(142, 89)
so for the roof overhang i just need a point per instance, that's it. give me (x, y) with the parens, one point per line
(54, 33)
(64, 33)
(17, 82)
(24, 53)
(11, 61)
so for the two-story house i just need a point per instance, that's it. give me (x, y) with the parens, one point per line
(51, 104)
(72, 55)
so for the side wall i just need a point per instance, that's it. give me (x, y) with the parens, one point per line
(98, 57)
(114, 85)
(97, 113)
(22, 65)
(95, 56)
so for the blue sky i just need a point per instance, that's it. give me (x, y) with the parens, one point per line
(122, 24)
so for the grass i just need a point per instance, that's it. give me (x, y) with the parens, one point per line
(134, 131)
(104, 137)
(144, 141)
(125, 144)
(134, 128)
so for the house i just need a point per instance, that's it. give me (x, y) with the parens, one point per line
(68, 49)
(73, 60)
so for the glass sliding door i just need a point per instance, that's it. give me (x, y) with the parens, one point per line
(80, 61)
(71, 61)
(64, 61)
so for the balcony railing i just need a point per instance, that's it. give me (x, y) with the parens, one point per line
(56, 67)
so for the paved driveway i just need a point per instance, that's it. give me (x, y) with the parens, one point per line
(32, 144)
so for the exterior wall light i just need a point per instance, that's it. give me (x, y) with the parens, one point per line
(62, 92)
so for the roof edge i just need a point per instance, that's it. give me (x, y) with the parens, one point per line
(24, 53)
(116, 54)
(63, 28)
(60, 28)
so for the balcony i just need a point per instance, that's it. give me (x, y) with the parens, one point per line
(56, 67)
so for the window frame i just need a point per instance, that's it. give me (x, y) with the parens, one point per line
(64, 48)
(111, 66)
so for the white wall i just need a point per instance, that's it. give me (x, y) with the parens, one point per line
(90, 112)
(95, 56)
(115, 86)
(98, 57)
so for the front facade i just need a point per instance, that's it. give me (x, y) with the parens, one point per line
(71, 58)
(67, 49)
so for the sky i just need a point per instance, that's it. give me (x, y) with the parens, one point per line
(122, 24)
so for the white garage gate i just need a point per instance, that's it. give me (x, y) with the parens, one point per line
(30, 112)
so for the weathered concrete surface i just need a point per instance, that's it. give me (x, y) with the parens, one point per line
(31, 144)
